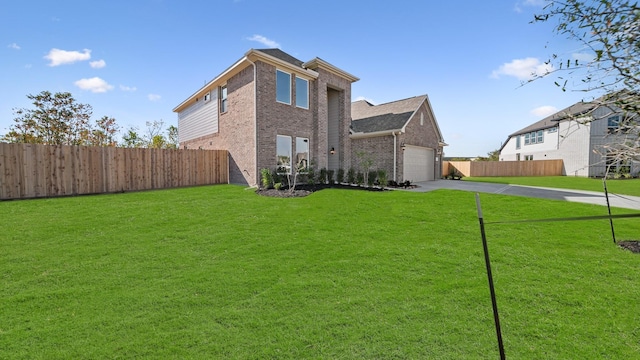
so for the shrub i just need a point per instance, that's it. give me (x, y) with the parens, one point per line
(340, 176)
(266, 178)
(323, 176)
(359, 178)
(311, 175)
(330, 176)
(351, 176)
(382, 178)
(371, 177)
(277, 186)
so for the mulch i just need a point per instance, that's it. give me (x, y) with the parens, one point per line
(631, 245)
(307, 189)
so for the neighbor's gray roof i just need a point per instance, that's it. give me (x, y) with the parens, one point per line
(279, 54)
(368, 118)
(574, 110)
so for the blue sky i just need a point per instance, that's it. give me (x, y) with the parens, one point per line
(136, 60)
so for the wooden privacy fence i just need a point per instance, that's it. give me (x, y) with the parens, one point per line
(33, 171)
(505, 168)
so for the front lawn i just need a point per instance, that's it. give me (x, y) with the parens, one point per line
(219, 272)
(614, 186)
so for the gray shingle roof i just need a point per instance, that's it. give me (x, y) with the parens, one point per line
(574, 110)
(368, 118)
(279, 54)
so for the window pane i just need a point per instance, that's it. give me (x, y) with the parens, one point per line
(540, 136)
(283, 87)
(526, 139)
(223, 99)
(302, 154)
(283, 153)
(518, 142)
(302, 93)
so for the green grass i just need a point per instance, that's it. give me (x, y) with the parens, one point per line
(221, 273)
(614, 186)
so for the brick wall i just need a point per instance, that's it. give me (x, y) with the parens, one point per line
(276, 118)
(379, 149)
(236, 130)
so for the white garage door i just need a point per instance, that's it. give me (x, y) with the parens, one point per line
(418, 164)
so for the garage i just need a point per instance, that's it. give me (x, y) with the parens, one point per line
(418, 163)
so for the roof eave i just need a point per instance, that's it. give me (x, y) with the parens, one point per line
(257, 54)
(319, 63)
(210, 84)
(362, 135)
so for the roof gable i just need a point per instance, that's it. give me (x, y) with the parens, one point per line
(368, 118)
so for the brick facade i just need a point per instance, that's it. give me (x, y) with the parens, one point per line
(253, 120)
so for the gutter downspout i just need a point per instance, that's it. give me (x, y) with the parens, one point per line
(395, 151)
(255, 119)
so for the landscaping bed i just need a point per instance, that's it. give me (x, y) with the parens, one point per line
(306, 189)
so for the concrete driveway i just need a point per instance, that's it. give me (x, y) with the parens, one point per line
(588, 197)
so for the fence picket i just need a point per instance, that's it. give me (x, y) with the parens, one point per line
(33, 171)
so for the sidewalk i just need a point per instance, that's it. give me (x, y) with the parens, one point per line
(588, 197)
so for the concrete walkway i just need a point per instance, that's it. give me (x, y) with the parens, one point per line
(588, 197)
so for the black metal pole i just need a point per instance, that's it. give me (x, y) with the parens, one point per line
(496, 318)
(606, 195)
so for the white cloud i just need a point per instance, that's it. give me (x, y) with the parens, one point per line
(61, 57)
(95, 85)
(154, 97)
(535, 3)
(98, 64)
(128, 88)
(522, 69)
(544, 111)
(264, 41)
(14, 46)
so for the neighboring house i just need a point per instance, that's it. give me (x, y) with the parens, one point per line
(271, 110)
(579, 135)
(401, 137)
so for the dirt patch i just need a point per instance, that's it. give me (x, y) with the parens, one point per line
(306, 189)
(631, 245)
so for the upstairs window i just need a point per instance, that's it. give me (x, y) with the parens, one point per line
(527, 139)
(540, 136)
(612, 124)
(302, 93)
(223, 98)
(518, 142)
(283, 87)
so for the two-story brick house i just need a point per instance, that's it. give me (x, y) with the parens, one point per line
(271, 110)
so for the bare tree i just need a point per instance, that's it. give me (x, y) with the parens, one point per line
(609, 31)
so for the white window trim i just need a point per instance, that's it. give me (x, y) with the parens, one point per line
(225, 100)
(284, 72)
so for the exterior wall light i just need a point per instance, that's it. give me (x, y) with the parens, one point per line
(332, 151)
